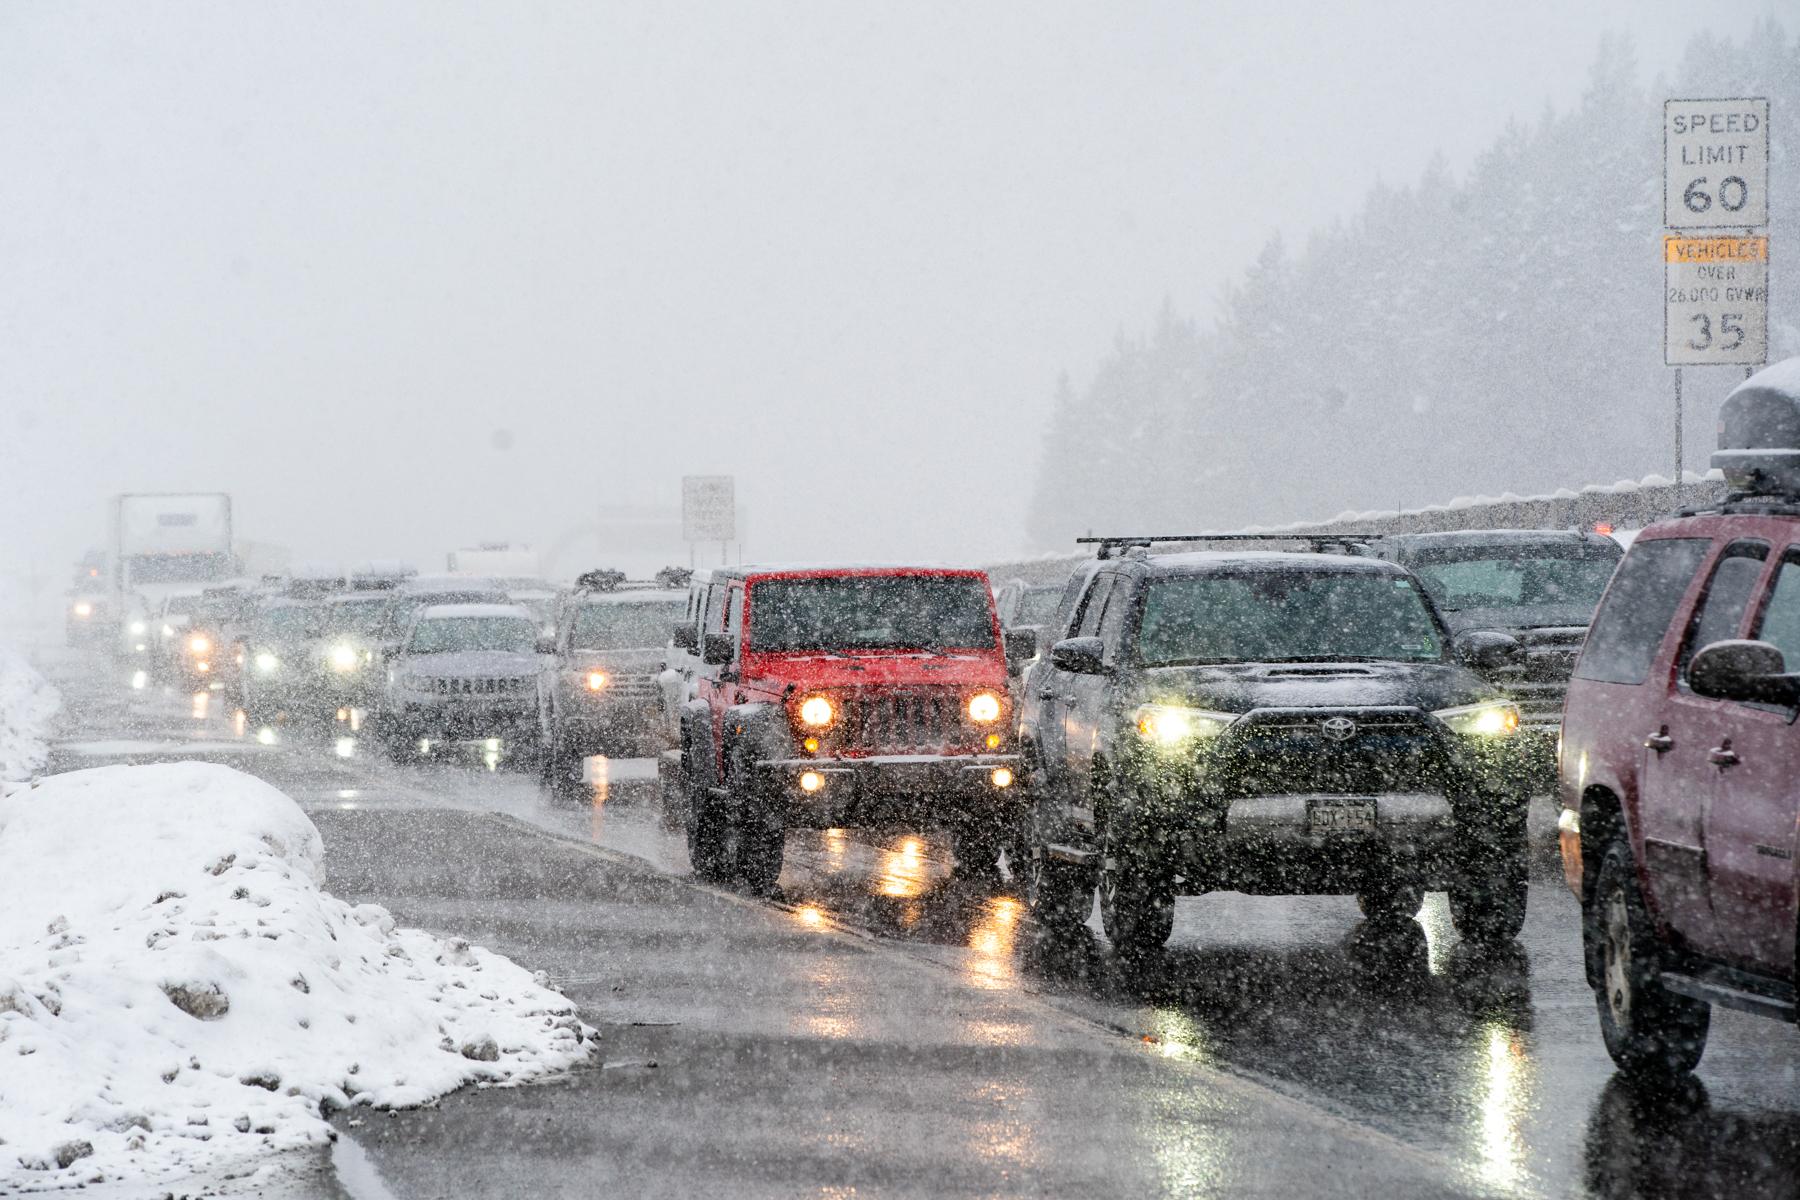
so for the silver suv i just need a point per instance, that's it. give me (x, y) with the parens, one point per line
(463, 672)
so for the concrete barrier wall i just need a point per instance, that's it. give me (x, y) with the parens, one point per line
(1624, 505)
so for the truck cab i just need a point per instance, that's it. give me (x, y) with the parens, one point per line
(841, 697)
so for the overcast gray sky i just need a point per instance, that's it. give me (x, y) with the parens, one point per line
(405, 276)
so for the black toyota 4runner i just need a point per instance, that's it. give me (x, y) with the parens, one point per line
(1270, 723)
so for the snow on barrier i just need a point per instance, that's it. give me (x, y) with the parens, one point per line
(177, 993)
(27, 706)
(1627, 504)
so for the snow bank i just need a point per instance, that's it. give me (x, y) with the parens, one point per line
(176, 991)
(27, 705)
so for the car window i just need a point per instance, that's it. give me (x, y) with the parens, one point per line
(1036, 605)
(715, 609)
(734, 611)
(1721, 610)
(1780, 622)
(442, 635)
(1118, 606)
(612, 625)
(1069, 603)
(1637, 609)
(1093, 605)
(1528, 580)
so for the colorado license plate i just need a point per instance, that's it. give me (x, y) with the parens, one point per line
(1352, 814)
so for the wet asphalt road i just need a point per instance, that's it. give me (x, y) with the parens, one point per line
(1279, 1044)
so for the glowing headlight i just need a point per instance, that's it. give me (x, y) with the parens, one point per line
(168, 631)
(1493, 719)
(596, 681)
(199, 645)
(984, 708)
(817, 712)
(137, 628)
(266, 662)
(345, 658)
(84, 609)
(1170, 725)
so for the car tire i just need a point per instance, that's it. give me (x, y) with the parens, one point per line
(1487, 899)
(1059, 894)
(1391, 902)
(758, 835)
(1649, 1030)
(672, 790)
(977, 853)
(1137, 908)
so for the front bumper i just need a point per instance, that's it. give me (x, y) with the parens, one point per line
(458, 720)
(958, 789)
(1303, 844)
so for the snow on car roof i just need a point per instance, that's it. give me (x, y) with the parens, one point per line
(450, 583)
(641, 596)
(438, 612)
(1292, 560)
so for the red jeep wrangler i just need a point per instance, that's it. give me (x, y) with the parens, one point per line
(1680, 760)
(837, 697)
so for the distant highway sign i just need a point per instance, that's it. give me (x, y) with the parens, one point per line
(709, 508)
(1716, 306)
(1716, 164)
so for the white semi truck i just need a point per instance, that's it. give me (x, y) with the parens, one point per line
(164, 544)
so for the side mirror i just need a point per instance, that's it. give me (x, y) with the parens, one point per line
(1740, 670)
(1020, 645)
(717, 650)
(1486, 650)
(1080, 656)
(687, 637)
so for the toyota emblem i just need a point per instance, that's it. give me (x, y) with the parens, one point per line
(1338, 729)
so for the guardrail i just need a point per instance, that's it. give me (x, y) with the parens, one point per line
(1624, 505)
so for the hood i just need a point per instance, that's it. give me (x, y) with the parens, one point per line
(627, 662)
(963, 669)
(473, 664)
(1515, 619)
(1241, 687)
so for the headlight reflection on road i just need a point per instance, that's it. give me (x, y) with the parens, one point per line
(1506, 1072)
(991, 943)
(266, 736)
(1434, 919)
(346, 747)
(903, 870)
(596, 771)
(202, 701)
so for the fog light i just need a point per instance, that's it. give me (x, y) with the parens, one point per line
(811, 781)
(1003, 777)
(993, 741)
(202, 667)
(199, 645)
(811, 745)
(596, 680)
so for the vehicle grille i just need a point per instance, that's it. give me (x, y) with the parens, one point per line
(903, 722)
(459, 685)
(634, 687)
(1539, 685)
(1282, 751)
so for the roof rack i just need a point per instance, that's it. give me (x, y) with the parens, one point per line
(1114, 546)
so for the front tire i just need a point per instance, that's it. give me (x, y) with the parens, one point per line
(757, 834)
(1060, 894)
(1487, 899)
(1649, 1030)
(1391, 902)
(1136, 905)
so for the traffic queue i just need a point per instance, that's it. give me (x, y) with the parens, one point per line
(1344, 714)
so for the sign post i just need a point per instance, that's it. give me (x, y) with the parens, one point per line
(1716, 253)
(708, 511)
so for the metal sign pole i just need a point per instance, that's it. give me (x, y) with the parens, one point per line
(1679, 462)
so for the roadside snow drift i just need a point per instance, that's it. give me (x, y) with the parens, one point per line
(175, 990)
(27, 704)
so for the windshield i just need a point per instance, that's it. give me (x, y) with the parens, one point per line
(1038, 605)
(177, 606)
(356, 616)
(624, 626)
(444, 635)
(290, 624)
(1286, 616)
(872, 612)
(1536, 579)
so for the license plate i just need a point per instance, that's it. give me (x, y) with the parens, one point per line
(1350, 815)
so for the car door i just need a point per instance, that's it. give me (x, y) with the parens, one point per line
(1681, 759)
(1076, 694)
(1754, 818)
(718, 685)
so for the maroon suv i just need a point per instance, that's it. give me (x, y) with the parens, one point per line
(1680, 760)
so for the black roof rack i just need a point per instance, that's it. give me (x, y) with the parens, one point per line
(1112, 547)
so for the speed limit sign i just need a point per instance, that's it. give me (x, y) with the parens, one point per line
(1716, 164)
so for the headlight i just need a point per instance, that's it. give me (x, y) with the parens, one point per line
(84, 609)
(1171, 725)
(199, 645)
(345, 658)
(138, 627)
(168, 631)
(984, 708)
(266, 662)
(596, 681)
(1496, 718)
(817, 712)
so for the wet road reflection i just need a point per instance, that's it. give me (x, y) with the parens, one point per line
(1490, 1058)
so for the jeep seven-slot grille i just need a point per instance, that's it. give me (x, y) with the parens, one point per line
(903, 722)
(458, 685)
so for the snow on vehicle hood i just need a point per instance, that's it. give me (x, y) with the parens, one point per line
(476, 664)
(176, 991)
(27, 706)
(1238, 688)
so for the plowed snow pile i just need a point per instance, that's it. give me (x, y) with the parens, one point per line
(175, 990)
(27, 704)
